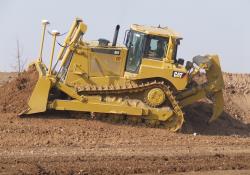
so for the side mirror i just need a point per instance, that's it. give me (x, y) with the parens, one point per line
(189, 65)
(180, 61)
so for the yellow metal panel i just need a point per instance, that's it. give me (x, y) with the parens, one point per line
(109, 70)
(96, 105)
(39, 97)
(103, 107)
(102, 64)
(218, 105)
(160, 31)
(70, 91)
(78, 70)
(189, 97)
(153, 68)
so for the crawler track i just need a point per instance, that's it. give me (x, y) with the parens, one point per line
(128, 93)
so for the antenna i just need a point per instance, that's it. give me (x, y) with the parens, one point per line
(44, 23)
(55, 33)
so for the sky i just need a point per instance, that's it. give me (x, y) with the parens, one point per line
(207, 26)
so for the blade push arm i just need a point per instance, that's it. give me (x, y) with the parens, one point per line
(77, 29)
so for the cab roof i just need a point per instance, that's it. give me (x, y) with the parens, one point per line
(160, 31)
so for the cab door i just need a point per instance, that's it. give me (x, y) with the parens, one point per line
(135, 46)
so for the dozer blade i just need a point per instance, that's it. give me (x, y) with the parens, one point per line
(218, 104)
(39, 97)
(212, 89)
(215, 86)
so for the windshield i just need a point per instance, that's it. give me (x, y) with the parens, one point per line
(155, 47)
(135, 44)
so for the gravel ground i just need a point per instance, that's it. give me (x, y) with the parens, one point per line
(73, 143)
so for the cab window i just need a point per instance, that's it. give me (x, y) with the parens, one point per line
(155, 47)
(135, 46)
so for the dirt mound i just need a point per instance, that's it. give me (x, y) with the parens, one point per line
(237, 95)
(6, 77)
(237, 83)
(236, 116)
(198, 115)
(15, 94)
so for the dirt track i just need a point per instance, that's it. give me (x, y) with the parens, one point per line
(72, 143)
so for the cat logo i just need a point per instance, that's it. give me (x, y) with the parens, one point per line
(178, 74)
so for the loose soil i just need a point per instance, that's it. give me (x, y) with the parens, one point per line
(73, 143)
(14, 94)
(6, 77)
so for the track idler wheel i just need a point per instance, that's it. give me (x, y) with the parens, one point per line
(154, 97)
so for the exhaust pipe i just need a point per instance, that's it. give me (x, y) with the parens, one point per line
(117, 28)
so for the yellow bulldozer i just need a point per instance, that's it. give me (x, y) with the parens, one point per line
(140, 79)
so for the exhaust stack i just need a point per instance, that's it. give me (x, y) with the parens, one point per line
(117, 28)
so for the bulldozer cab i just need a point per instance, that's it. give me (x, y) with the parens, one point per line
(148, 45)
